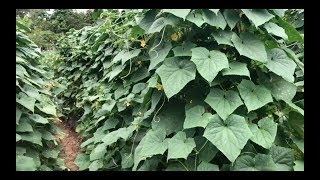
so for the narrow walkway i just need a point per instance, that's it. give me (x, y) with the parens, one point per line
(70, 145)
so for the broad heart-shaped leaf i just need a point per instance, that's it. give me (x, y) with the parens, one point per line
(98, 152)
(292, 33)
(26, 101)
(157, 25)
(147, 20)
(260, 162)
(182, 13)
(204, 166)
(24, 163)
(223, 102)
(282, 89)
(282, 155)
(229, 136)
(276, 30)
(223, 36)
(214, 19)
(33, 137)
(232, 17)
(209, 63)
(207, 151)
(154, 143)
(196, 117)
(124, 55)
(175, 71)
(179, 146)
(95, 165)
(82, 161)
(299, 165)
(279, 63)
(106, 107)
(258, 16)
(265, 134)
(47, 108)
(24, 126)
(195, 18)
(254, 96)
(184, 50)
(158, 54)
(38, 119)
(113, 136)
(250, 46)
(236, 68)
(170, 117)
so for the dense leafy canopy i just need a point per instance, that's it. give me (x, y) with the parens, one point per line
(188, 89)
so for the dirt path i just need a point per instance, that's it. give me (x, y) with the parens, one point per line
(70, 145)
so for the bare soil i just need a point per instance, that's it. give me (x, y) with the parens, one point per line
(70, 146)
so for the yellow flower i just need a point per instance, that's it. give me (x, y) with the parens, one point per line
(174, 37)
(142, 43)
(159, 87)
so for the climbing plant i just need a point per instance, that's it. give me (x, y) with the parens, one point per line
(187, 89)
(36, 145)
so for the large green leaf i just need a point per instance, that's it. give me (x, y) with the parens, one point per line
(157, 25)
(38, 119)
(154, 143)
(123, 133)
(254, 96)
(264, 133)
(196, 117)
(170, 118)
(292, 33)
(26, 101)
(209, 63)
(82, 161)
(179, 146)
(299, 166)
(196, 18)
(147, 20)
(232, 17)
(236, 68)
(250, 46)
(229, 136)
(223, 102)
(98, 152)
(184, 49)
(282, 155)
(182, 13)
(207, 151)
(106, 107)
(204, 166)
(276, 30)
(213, 19)
(176, 71)
(24, 163)
(158, 54)
(279, 63)
(47, 108)
(33, 137)
(282, 89)
(24, 126)
(223, 36)
(258, 16)
(260, 162)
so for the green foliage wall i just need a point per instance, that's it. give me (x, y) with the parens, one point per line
(188, 89)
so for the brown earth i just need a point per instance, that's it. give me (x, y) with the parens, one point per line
(70, 146)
